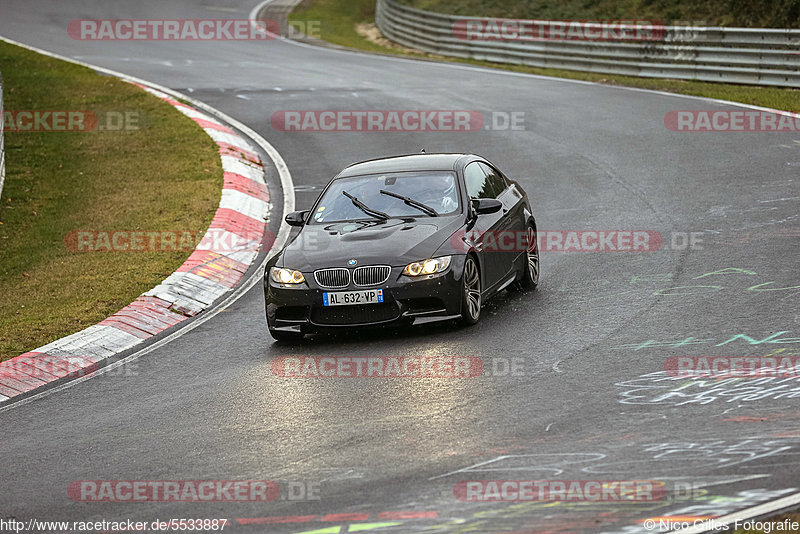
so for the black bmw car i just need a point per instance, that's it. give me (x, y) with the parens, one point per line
(411, 239)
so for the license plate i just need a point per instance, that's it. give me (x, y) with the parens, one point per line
(347, 298)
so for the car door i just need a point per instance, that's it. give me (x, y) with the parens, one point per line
(513, 229)
(485, 230)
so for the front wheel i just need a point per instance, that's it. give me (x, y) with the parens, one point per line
(471, 292)
(530, 272)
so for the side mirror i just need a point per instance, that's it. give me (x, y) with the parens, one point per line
(296, 218)
(483, 206)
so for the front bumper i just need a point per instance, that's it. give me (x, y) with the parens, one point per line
(406, 300)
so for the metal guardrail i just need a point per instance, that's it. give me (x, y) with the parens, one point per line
(2, 141)
(732, 55)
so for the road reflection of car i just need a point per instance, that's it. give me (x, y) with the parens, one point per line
(408, 239)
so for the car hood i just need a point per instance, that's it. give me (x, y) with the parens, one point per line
(394, 242)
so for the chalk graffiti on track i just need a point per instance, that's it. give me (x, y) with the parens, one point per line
(659, 388)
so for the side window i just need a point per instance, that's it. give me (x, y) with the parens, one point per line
(478, 184)
(495, 179)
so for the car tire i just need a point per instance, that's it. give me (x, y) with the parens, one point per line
(530, 271)
(280, 335)
(470, 292)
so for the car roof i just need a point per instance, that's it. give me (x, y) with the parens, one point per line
(409, 162)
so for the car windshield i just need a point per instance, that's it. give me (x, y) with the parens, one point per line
(428, 194)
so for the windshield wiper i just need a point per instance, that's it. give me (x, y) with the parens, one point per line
(413, 203)
(366, 209)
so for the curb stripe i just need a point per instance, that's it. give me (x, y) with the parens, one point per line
(236, 222)
(207, 124)
(25, 373)
(227, 149)
(21, 381)
(204, 257)
(8, 392)
(252, 207)
(191, 112)
(15, 383)
(32, 369)
(244, 168)
(245, 185)
(228, 139)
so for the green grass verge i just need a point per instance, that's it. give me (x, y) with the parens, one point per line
(339, 18)
(165, 175)
(739, 13)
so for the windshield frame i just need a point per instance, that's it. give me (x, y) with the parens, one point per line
(310, 217)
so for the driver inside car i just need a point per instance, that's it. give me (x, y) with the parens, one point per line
(439, 193)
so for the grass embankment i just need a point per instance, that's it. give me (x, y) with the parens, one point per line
(345, 22)
(739, 13)
(165, 175)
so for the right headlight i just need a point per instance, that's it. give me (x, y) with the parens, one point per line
(280, 275)
(426, 267)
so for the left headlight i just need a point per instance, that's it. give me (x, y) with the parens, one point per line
(429, 266)
(280, 275)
